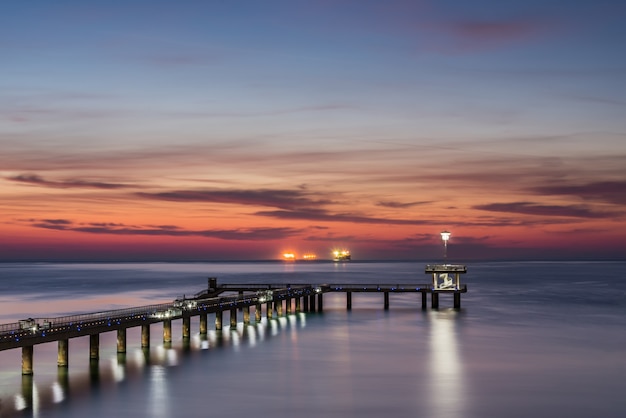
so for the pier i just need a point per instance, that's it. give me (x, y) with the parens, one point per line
(271, 299)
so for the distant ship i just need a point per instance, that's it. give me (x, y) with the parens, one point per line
(343, 255)
(289, 257)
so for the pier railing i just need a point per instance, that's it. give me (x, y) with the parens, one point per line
(174, 309)
(386, 287)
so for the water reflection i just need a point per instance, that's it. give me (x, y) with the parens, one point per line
(150, 364)
(60, 388)
(158, 399)
(118, 369)
(448, 397)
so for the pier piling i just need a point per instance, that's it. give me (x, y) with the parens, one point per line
(257, 312)
(63, 353)
(167, 330)
(145, 336)
(94, 346)
(121, 340)
(186, 327)
(218, 320)
(434, 299)
(27, 360)
(457, 300)
(233, 318)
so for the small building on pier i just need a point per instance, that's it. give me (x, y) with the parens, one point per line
(446, 276)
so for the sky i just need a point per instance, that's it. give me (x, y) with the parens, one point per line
(241, 129)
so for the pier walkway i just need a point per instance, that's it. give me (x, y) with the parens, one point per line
(213, 300)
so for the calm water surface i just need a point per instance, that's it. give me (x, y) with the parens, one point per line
(532, 339)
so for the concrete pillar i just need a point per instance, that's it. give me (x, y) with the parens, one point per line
(312, 302)
(27, 360)
(145, 336)
(457, 280)
(257, 312)
(121, 340)
(434, 298)
(279, 307)
(203, 323)
(424, 300)
(298, 307)
(305, 303)
(349, 301)
(320, 302)
(94, 347)
(386, 300)
(233, 318)
(288, 305)
(218, 320)
(457, 300)
(186, 327)
(246, 315)
(269, 310)
(167, 331)
(63, 353)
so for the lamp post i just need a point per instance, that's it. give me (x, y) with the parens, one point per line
(445, 236)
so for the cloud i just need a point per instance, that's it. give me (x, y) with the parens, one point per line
(66, 184)
(286, 199)
(469, 35)
(401, 205)
(488, 31)
(57, 221)
(273, 112)
(605, 191)
(529, 208)
(250, 234)
(323, 215)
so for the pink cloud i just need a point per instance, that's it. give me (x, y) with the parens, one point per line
(64, 184)
(472, 35)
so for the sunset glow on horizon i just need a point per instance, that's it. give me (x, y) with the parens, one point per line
(221, 131)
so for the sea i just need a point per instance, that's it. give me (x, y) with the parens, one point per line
(531, 339)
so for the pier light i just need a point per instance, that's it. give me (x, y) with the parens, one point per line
(445, 236)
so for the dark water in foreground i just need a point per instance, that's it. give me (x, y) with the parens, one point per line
(532, 339)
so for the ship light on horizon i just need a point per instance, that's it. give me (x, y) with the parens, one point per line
(341, 255)
(289, 256)
(309, 256)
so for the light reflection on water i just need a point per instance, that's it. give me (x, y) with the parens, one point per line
(447, 389)
(158, 401)
(149, 365)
